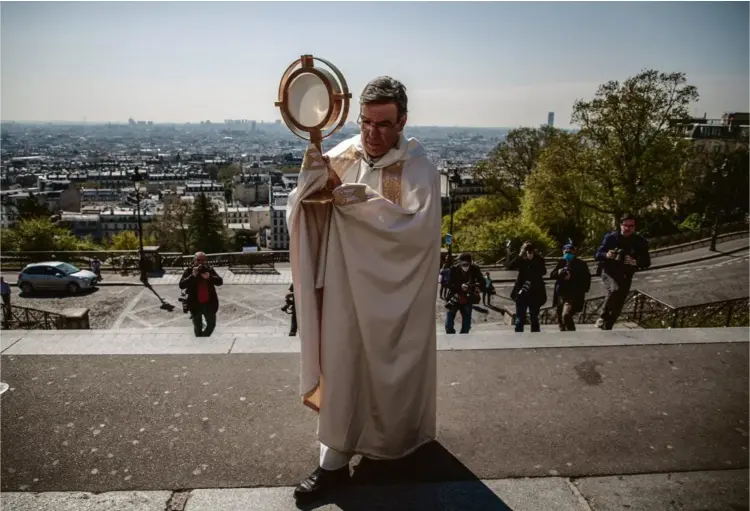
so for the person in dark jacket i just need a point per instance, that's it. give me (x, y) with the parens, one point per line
(573, 281)
(289, 309)
(200, 283)
(529, 292)
(465, 285)
(620, 255)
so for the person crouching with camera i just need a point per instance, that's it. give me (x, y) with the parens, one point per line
(289, 309)
(620, 255)
(529, 292)
(200, 282)
(573, 281)
(465, 287)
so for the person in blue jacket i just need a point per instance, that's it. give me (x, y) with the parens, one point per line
(620, 255)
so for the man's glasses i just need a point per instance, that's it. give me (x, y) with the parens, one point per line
(368, 125)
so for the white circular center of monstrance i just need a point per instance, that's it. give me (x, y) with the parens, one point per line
(308, 100)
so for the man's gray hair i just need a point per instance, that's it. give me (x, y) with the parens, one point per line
(385, 89)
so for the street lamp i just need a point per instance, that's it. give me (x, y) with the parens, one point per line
(454, 180)
(720, 174)
(137, 178)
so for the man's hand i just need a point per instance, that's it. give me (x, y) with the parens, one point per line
(195, 271)
(631, 261)
(611, 254)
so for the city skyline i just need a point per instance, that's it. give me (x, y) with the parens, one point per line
(464, 64)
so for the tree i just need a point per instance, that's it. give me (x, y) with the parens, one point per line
(172, 228)
(493, 237)
(226, 174)
(719, 182)
(555, 193)
(477, 211)
(508, 165)
(128, 240)
(206, 226)
(40, 235)
(627, 126)
(30, 207)
(213, 171)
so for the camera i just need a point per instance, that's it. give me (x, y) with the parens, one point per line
(288, 308)
(525, 287)
(620, 255)
(203, 268)
(183, 299)
(470, 296)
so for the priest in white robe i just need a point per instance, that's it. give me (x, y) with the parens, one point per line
(365, 281)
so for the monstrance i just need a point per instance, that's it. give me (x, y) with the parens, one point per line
(314, 104)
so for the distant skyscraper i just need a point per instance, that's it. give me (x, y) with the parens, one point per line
(551, 119)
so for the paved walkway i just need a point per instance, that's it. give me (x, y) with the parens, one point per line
(282, 274)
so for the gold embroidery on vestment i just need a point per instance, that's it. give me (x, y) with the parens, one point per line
(392, 182)
(341, 163)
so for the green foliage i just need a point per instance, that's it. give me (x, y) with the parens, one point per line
(477, 211)
(626, 125)
(41, 235)
(206, 227)
(693, 222)
(213, 171)
(508, 165)
(493, 236)
(128, 240)
(171, 229)
(555, 192)
(226, 174)
(30, 207)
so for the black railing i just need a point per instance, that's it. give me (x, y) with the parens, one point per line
(649, 312)
(227, 259)
(26, 318)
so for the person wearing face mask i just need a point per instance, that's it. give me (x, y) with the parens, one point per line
(529, 292)
(466, 284)
(572, 282)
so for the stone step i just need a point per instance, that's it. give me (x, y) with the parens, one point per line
(180, 340)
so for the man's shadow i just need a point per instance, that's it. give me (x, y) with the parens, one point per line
(430, 479)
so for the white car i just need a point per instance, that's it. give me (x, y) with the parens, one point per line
(55, 276)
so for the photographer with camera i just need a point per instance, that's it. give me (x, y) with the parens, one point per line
(200, 283)
(573, 281)
(465, 285)
(289, 309)
(621, 254)
(529, 292)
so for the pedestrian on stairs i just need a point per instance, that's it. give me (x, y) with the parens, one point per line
(572, 282)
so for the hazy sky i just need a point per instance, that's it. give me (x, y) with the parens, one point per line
(466, 64)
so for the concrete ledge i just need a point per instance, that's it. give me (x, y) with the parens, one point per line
(689, 491)
(238, 340)
(84, 501)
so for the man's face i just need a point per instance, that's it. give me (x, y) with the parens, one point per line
(627, 227)
(200, 259)
(381, 127)
(465, 265)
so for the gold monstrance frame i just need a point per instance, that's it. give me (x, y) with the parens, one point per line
(314, 104)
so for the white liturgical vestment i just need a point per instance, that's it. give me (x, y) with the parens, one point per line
(365, 282)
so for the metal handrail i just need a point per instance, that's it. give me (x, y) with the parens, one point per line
(27, 318)
(649, 312)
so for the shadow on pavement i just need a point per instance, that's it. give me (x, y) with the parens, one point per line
(165, 305)
(46, 294)
(431, 479)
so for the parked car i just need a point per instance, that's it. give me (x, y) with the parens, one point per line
(55, 276)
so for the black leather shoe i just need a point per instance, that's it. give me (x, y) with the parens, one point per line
(319, 482)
